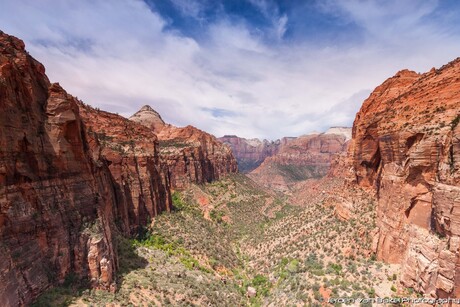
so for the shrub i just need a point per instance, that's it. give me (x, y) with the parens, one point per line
(455, 122)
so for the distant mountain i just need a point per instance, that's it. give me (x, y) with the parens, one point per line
(250, 153)
(191, 154)
(305, 157)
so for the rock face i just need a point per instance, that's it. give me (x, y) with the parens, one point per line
(406, 145)
(191, 155)
(345, 131)
(140, 181)
(149, 117)
(302, 158)
(250, 153)
(64, 187)
(55, 196)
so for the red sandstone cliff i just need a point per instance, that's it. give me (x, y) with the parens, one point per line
(250, 153)
(140, 181)
(55, 195)
(406, 145)
(191, 155)
(302, 158)
(64, 187)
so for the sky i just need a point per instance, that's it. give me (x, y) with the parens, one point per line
(253, 68)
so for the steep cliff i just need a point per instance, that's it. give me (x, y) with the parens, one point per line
(55, 194)
(140, 181)
(191, 155)
(406, 145)
(302, 158)
(69, 175)
(250, 153)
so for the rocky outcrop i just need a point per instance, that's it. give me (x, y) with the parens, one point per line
(190, 154)
(250, 153)
(140, 181)
(302, 158)
(406, 146)
(55, 195)
(65, 187)
(345, 131)
(149, 117)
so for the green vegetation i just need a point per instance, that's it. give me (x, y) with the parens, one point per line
(177, 143)
(313, 265)
(291, 254)
(177, 201)
(59, 296)
(216, 215)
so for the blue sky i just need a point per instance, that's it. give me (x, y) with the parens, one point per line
(255, 68)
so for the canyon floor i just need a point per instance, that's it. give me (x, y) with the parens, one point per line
(232, 235)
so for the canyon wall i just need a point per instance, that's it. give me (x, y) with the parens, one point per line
(69, 175)
(302, 158)
(406, 146)
(190, 154)
(55, 195)
(140, 180)
(250, 153)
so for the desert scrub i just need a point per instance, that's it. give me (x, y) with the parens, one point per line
(171, 248)
(334, 268)
(216, 216)
(179, 203)
(455, 122)
(177, 143)
(314, 265)
(157, 241)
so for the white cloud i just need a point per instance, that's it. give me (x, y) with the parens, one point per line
(281, 26)
(189, 7)
(117, 55)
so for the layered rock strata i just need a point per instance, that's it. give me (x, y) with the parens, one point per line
(55, 195)
(406, 146)
(140, 180)
(69, 175)
(191, 155)
(250, 153)
(302, 158)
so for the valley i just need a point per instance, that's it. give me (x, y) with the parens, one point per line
(97, 209)
(232, 235)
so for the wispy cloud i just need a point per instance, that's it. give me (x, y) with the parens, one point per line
(238, 75)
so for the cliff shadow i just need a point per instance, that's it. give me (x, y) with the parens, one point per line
(128, 259)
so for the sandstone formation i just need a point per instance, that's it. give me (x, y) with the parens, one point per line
(149, 117)
(55, 195)
(250, 153)
(191, 155)
(345, 131)
(66, 183)
(302, 158)
(406, 145)
(140, 181)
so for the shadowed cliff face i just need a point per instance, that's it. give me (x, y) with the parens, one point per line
(406, 145)
(190, 154)
(55, 197)
(62, 188)
(140, 181)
